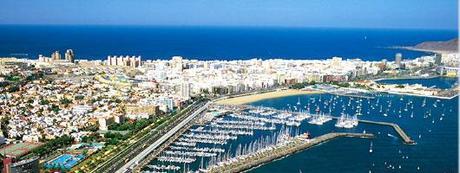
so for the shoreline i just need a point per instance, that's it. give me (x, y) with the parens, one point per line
(379, 81)
(422, 50)
(240, 100)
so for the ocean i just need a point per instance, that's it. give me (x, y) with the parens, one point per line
(213, 43)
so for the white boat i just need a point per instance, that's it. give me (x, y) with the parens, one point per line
(390, 135)
(345, 121)
(370, 148)
(340, 120)
(319, 119)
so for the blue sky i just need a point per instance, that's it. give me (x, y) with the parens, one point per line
(429, 14)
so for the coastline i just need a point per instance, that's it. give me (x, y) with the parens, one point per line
(414, 92)
(262, 96)
(422, 50)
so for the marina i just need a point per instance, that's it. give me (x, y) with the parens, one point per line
(428, 122)
(240, 130)
(234, 134)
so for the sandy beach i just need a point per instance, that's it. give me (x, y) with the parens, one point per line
(262, 96)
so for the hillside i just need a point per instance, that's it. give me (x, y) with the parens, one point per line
(450, 45)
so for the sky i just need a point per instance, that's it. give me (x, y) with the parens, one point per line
(426, 14)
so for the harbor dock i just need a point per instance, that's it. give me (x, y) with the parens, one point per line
(294, 146)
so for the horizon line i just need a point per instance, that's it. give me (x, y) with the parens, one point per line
(236, 26)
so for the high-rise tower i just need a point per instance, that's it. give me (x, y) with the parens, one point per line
(69, 55)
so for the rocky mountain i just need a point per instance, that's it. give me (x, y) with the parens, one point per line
(450, 45)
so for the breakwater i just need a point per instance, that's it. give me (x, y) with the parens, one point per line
(293, 146)
(406, 139)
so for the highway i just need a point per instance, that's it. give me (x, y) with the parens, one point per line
(137, 146)
(133, 162)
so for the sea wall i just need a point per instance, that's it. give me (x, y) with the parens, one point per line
(294, 146)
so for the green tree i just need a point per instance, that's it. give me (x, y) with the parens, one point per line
(53, 145)
(65, 101)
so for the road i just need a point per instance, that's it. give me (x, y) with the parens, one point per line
(133, 162)
(115, 162)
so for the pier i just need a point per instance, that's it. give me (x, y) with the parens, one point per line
(349, 92)
(351, 95)
(406, 139)
(294, 146)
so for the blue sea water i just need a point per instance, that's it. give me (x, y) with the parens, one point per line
(437, 82)
(151, 42)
